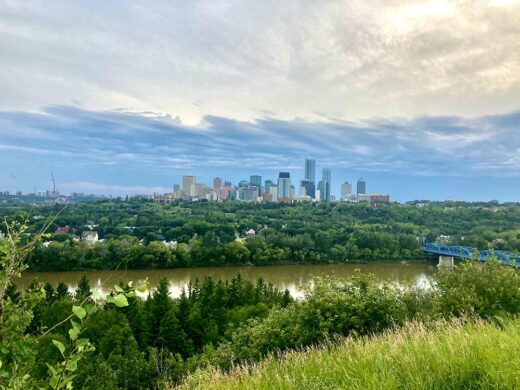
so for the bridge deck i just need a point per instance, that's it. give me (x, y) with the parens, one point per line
(466, 252)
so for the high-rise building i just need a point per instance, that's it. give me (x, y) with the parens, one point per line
(326, 178)
(268, 184)
(256, 181)
(320, 192)
(227, 183)
(274, 192)
(200, 190)
(361, 186)
(217, 183)
(188, 185)
(346, 190)
(307, 187)
(310, 170)
(284, 185)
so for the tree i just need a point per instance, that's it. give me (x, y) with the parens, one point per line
(83, 289)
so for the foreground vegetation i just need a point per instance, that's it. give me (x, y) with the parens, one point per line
(140, 234)
(50, 338)
(442, 355)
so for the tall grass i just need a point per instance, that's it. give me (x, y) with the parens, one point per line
(442, 355)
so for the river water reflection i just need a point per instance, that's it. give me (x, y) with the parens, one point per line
(291, 277)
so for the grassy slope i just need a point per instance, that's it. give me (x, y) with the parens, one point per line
(450, 356)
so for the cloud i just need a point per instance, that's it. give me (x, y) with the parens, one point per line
(348, 60)
(131, 142)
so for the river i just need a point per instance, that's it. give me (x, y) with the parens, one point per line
(291, 277)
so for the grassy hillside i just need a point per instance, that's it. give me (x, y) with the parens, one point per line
(440, 356)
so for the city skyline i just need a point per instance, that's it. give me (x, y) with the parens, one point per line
(419, 97)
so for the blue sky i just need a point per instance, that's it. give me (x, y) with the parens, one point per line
(421, 98)
(124, 153)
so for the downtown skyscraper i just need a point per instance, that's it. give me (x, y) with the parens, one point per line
(310, 170)
(284, 185)
(361, 186)
(326, 179)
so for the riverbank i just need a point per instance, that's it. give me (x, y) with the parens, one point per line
(291, 277)
(423, 260)
(447, 355)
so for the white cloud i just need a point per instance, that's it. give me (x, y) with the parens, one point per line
(241, 59)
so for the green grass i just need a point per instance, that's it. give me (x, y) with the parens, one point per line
(445, 355)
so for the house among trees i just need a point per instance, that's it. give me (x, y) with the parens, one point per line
(63, 229)
(90, 237)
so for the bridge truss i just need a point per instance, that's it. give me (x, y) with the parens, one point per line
(466, 252)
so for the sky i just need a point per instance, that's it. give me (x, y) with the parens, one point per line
(421, 98)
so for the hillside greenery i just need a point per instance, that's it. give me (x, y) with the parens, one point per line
(214, 325)
(141, 234)
(442, 355)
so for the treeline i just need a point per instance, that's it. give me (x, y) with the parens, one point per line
(159, 340)
(134, 233)
(136, 343)
(271, 248)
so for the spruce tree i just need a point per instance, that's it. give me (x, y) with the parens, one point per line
(83, 289)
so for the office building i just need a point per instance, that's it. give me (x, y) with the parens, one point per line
(326, 178)
(188, 185)
(361, 187)
(320, 192)
(310, 170)
(373, 198)
(346, 190)
(274, 193)
(256, 181)
(268, 184)
(284, 185)
(217, 183)
(228, 184)
(307, 187)
(243, 184)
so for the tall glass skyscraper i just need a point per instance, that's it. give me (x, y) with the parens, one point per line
(309, 187)
(361, 186)
(310, 170)
(284, 185)
(256, 181)
(326, 178)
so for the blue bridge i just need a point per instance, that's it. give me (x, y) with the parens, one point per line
(448, 253)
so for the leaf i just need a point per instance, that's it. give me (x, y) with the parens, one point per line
(90, 308)
(59, 345)
(120, 300)
(79, 312)
(81, 342)
(96, 295)
(74, 333)
(118, 288)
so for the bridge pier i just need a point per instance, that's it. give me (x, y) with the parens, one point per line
(446, 261)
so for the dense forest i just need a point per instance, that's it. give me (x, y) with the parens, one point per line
(141, 234)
